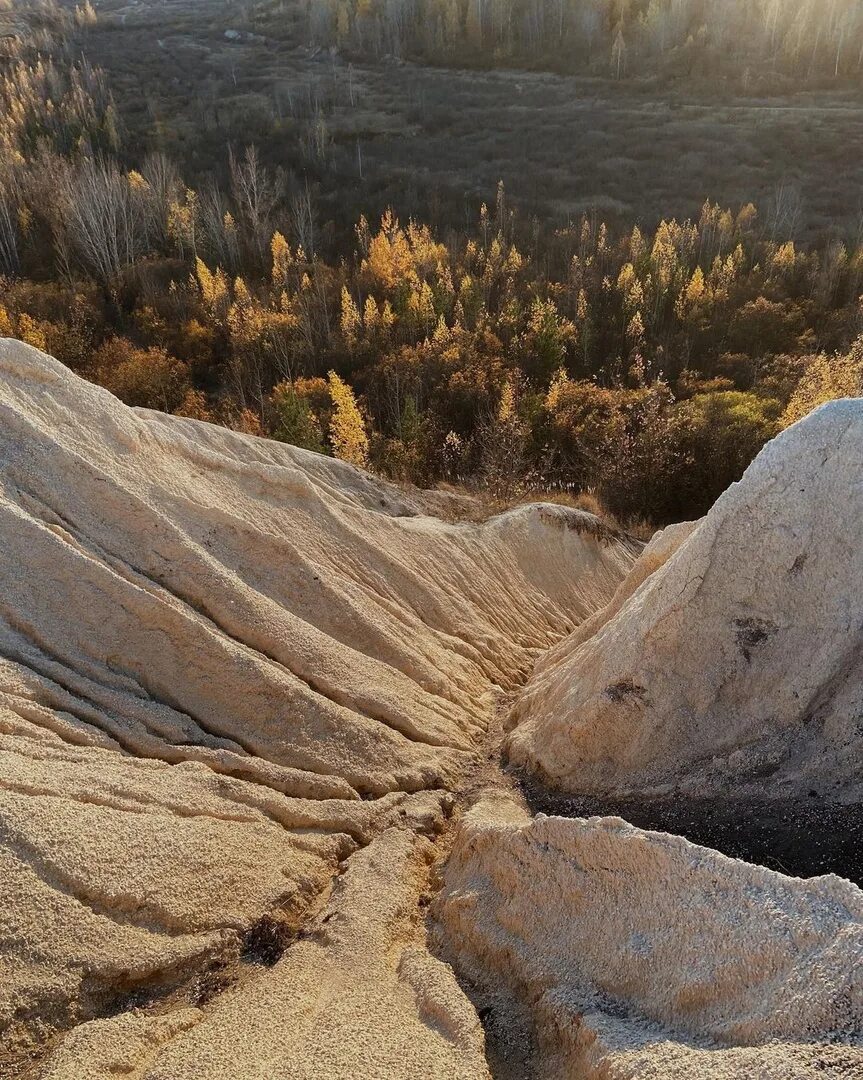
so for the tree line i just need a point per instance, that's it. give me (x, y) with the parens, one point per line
(809, 39)
(644, 368)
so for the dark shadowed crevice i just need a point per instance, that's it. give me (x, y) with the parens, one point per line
(797, 838)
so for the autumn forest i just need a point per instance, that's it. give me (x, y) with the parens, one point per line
(638, 365)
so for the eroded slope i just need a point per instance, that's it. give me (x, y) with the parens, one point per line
(734, 668)
(228, 670)
(640, 955)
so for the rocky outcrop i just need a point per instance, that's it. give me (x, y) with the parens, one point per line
(641, 955)
(230, 672)
(736, 666)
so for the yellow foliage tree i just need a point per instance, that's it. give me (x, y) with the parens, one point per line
(635, 331)
(282, 259)
(351, 321)
(213, 288)
(506, 410)
(183, 222)
(785, 257)
(693, 296)
(32, 333)
(826, 378)
(348, 436)
(389, 260)
(398, 256)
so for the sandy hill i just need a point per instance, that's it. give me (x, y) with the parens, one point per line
(247, 692)
(730, 662)
(225, 666)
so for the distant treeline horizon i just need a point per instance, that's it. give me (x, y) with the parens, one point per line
(807, 40)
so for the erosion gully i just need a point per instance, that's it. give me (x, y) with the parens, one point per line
(799, 840)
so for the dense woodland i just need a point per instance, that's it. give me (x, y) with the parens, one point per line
(810, 39)
(643, 368)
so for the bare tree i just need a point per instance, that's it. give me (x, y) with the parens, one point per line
(256, 192)
(164, 180)
(219, 228)
(785, 211)
(101, 218)
(8, 226)
(303, 218)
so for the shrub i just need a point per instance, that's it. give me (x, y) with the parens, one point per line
(293, 420)
(824, 379)
(147, 378)
(717, 435)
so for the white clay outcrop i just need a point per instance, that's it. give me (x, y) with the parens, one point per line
(642, 955)
(736, 666)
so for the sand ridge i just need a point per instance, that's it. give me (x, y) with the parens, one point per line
(231, 671)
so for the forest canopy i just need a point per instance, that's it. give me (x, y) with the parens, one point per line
(640, 368)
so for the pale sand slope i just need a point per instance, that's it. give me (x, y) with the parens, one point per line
(643, 956)
(361, 998)
(211, 646)
(737, 665)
